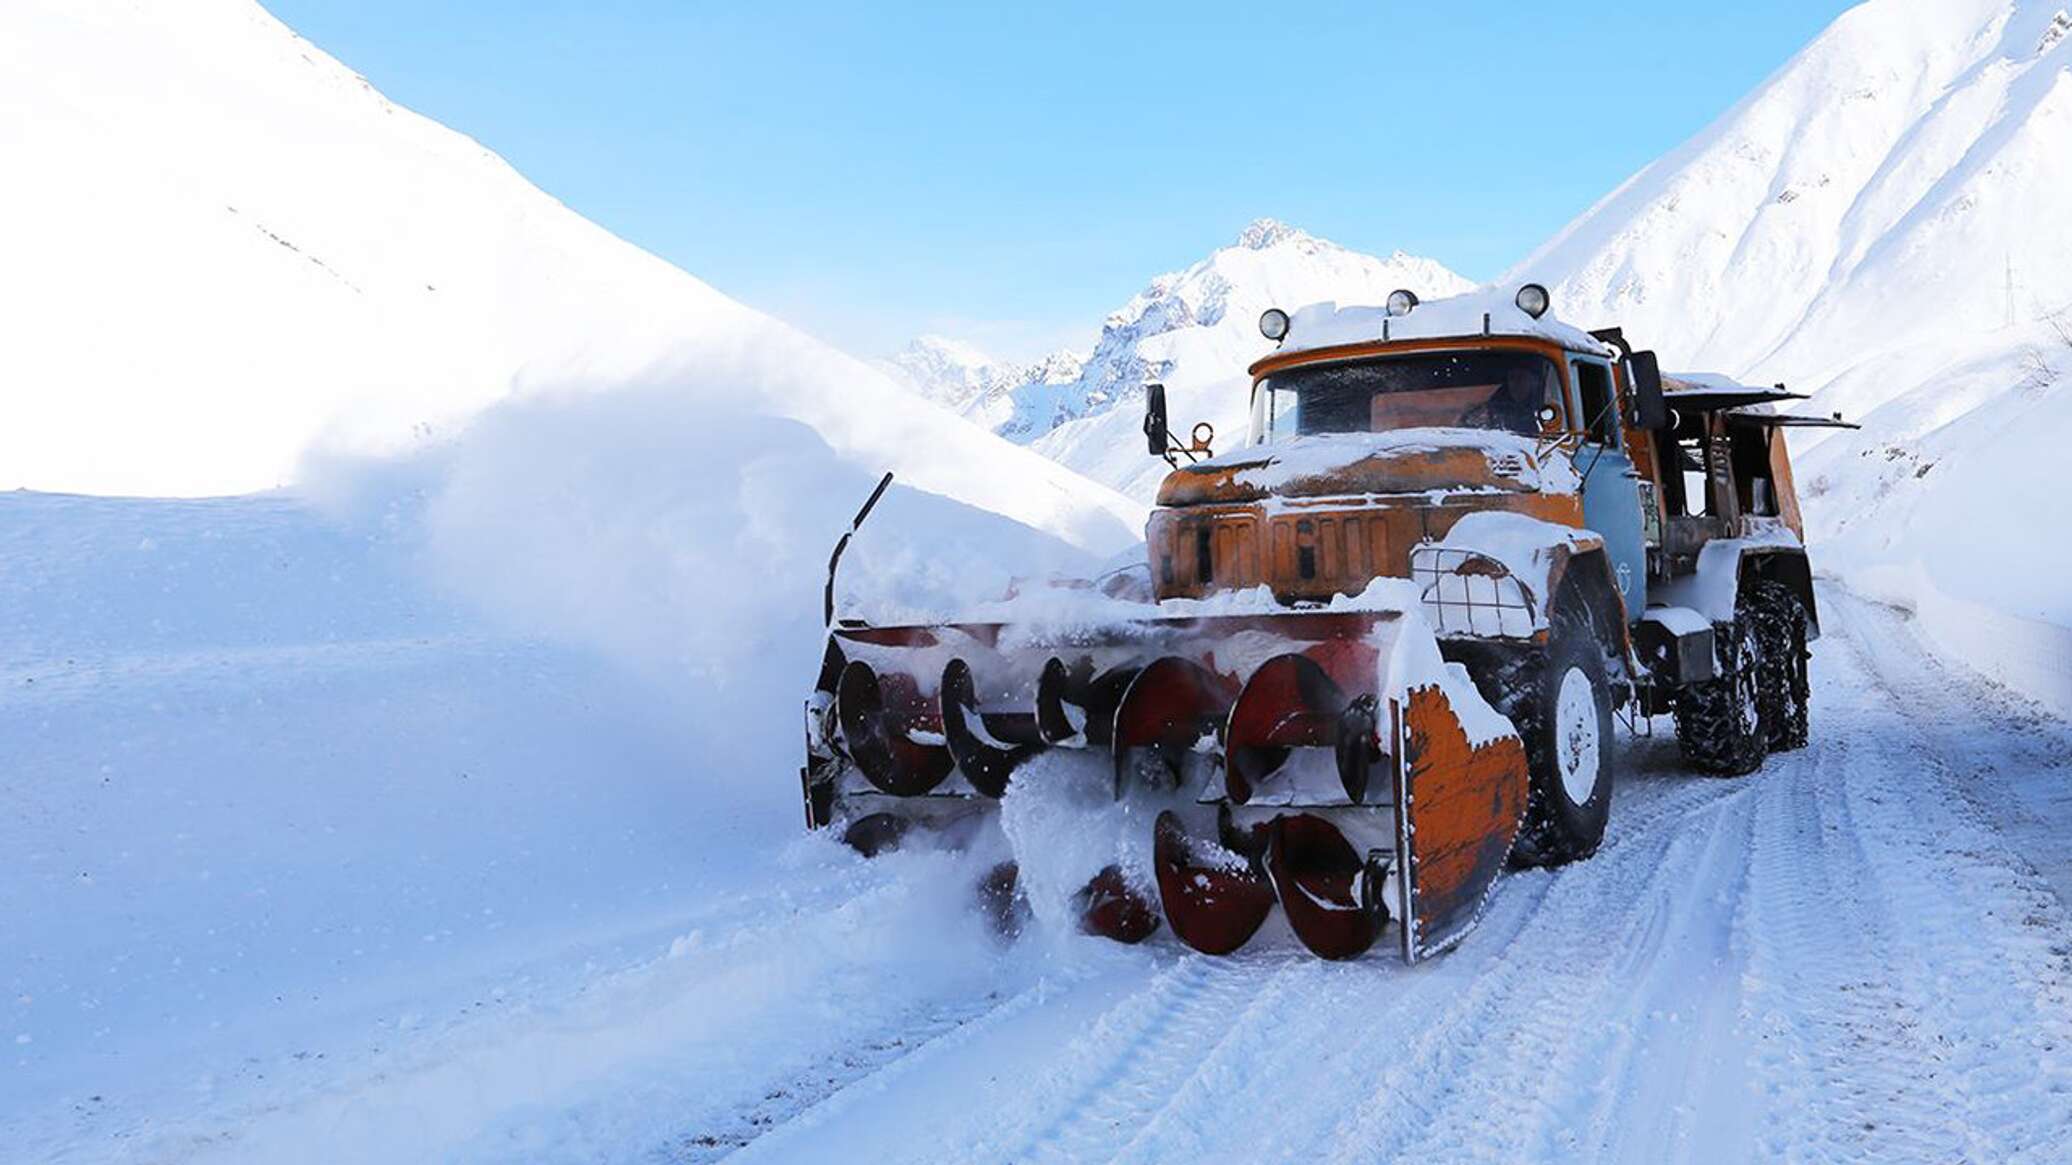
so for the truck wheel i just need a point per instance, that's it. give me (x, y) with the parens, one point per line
(1719, 723)
(1780, 624)
(1565, 716)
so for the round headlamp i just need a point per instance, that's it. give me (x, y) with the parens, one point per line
(1273, 324)
(1533, 300)
(1401, 301)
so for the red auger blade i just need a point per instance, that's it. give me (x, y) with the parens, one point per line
(1169, 707)
(1332, 899)
(876, 714)
(876, 833)
(1075, 702)
(987, 746)
(1001, 901)
(1213, 908)
(1288, 703)
(1110, 908)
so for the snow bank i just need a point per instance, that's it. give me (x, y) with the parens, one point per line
(682, 525)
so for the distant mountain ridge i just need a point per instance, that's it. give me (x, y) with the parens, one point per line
(1193, 330)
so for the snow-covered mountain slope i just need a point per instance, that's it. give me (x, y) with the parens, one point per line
(1194, 331)
(222, 246)
(1886, 222)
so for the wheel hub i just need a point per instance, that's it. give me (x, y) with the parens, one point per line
(1575, 735)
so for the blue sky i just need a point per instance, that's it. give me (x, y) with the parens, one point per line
(1012, 173)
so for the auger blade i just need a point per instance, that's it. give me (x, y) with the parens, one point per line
(1109, 907)
(1169, 707)
(877, 714)
(876, 833)
(1214, 908)
(1000, 899)
(1075, 702)
(987, 746)
(1332, 898)
(1288, 703)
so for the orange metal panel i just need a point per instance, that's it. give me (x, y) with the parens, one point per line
(1461, 806)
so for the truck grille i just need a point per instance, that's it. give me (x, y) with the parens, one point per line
(1298, 555)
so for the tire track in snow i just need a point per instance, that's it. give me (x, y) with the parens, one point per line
(1624, 1095)
(1314, 1060)
(1976, 932)
(1480, 1087)
(1835, 1032)
(878, 1056)
(1163, 1036)
(1903, 983)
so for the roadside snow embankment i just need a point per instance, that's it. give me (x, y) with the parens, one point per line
(1941, 505)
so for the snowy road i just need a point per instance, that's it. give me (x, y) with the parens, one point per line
(1863, 952)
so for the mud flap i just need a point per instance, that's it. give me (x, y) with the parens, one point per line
(1459, 807)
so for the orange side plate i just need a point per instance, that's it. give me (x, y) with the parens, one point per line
(1459, 810)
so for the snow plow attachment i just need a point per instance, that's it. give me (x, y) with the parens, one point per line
(1423, 850)
(1325, 763)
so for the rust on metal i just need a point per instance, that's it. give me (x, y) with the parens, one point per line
(1463, 804)
(1312, 553)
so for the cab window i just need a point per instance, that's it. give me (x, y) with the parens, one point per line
(1599, 410)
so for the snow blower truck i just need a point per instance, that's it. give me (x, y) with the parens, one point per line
(1374, 654)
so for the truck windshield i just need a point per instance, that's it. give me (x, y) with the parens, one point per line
(1476, 390)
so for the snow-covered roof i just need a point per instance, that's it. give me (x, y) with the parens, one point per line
(1328, 325)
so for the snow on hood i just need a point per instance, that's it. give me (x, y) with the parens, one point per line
(1512, 459)
(1327, 325)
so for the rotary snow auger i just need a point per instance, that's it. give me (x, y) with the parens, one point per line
(1373, 654)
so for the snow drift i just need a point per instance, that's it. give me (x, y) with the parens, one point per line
(234, 246)
(224, 246)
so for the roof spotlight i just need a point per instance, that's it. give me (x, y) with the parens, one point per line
(1533, 300)
(1401, 301)
(1273, 324)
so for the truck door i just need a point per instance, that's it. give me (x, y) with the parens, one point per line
(1611, 497)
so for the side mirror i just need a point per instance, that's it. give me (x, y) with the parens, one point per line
(1155, 437)
(1650, 407)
